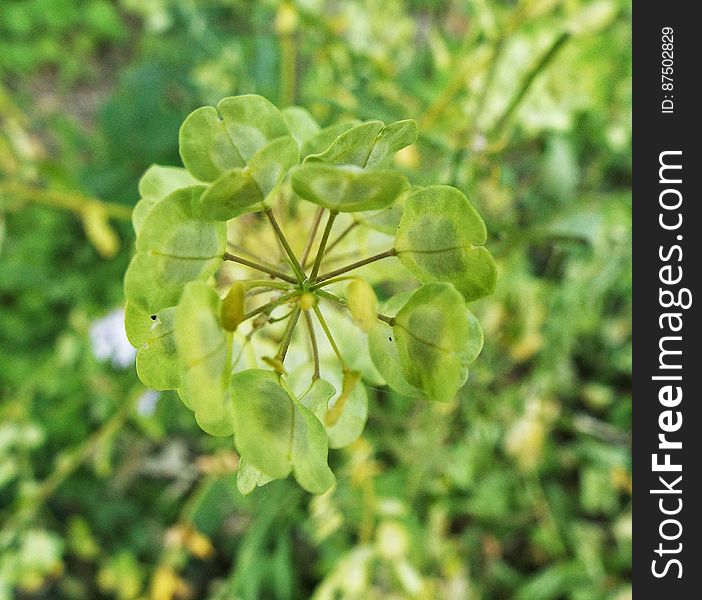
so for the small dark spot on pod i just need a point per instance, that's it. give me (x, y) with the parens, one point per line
(153, 317)
(390, 339)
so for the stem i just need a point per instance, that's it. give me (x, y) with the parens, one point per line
(313, 343)
(323, 244)
(332, 343)
(263, 268)
(241, 250)
(389, 320)
(264, 283)
(334, 280)
(548, 56)
(288, 334)
(286, 245)
(497, 51)
(270, 305)
(356, 265)
(342, 235)
(332, 297)
(327, 296)
(313, 234)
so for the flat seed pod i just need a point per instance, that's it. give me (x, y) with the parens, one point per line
(347, 188)
(248, 478)
(276, 434)
(309, 452)
(157, 358)
(205, 147)
(214, 141)
(363, 304)
(203, 350)
(245, 190)
(320, 141)
(436, 340)
(173, 247)
(351, 421)
(155, 184)
(251, 122)
(353, 147)
(392, 138)
(317, 397)
(301, 124)
(263, 421)
(272, 162)
(137, 324)
(440, 238)
(382, 345)
(234, 193)
(385, 220)
(368, 145)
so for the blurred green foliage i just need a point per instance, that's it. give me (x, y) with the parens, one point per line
(521, 488)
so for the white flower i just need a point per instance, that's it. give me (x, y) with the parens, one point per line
(109, 340)
(146, 404)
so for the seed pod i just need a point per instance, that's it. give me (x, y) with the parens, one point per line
(232, 312)
(363, 304)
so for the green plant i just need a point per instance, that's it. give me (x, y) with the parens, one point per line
(193, 326)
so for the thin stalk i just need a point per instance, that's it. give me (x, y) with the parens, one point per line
(342, 235)
(327, 332)
(332, 297)
(286, 245)
(323, 244)
(497, 50)
(259, 267)
(334, 280)
(285, 316)
(241, 250)
(528, 80)
(288, 334)
(356, 265)
(389, 320)
(313, 234)
(270, 305)
(265, 283)
(340, 301)
(313, 343)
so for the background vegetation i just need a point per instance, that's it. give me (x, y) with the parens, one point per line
(519, 489)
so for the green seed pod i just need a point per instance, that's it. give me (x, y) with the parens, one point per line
(363, 304)
(233, 307)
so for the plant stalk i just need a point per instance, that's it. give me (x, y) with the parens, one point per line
(313, 234)
(259, 267)
(288, 334)
(323, 244)
(286, 245)
(356, 265)
(313, 343)
(327, 332)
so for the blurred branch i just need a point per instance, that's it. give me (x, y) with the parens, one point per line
(528, 80)
(73, 201)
